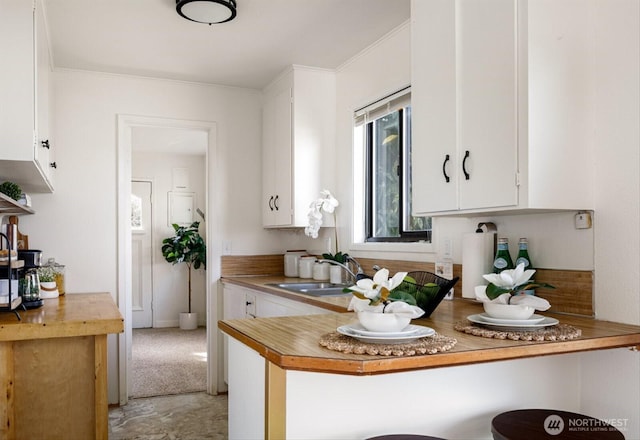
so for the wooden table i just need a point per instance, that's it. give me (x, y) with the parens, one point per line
(53, 368)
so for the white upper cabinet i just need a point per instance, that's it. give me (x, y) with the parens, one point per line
(298, 144)
(500, 102)
(25, 145)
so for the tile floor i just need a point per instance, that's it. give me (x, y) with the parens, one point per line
(192, 416)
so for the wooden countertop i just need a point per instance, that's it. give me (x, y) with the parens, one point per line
(70, 315)
(292, 342)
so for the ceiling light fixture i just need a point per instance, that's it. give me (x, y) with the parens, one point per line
(207, 11)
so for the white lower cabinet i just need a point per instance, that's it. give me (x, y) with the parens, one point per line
(240, 302)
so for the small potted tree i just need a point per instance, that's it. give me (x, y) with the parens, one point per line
(186, 246)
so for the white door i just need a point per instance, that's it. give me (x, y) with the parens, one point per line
(141, 275)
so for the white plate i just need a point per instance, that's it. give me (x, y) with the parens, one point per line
(359, 329)
(422, 332)
(546, 322)
(534, 319)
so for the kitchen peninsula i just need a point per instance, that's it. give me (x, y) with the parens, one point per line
(278, 369)
(53, 368)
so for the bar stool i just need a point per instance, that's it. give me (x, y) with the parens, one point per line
(536, 424)
(404, 437)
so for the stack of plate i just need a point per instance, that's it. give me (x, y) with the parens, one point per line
(410, 333)
(533, 323)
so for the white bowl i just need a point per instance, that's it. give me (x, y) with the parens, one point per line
(383, 322)
(508, 311)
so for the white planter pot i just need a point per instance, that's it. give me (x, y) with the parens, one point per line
(188, 321)
(48, 289)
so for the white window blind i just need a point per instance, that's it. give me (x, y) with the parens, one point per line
(384, 106)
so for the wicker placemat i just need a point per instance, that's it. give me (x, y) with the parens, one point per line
(427, 345)
(560, 332)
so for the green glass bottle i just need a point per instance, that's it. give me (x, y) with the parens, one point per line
(503, 258)
(523, 254)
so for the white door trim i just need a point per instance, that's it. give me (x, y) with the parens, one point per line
(125, 123)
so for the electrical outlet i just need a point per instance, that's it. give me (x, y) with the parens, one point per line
(583, 220)
(449, 295)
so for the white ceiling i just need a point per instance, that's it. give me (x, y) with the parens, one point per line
(148, 37)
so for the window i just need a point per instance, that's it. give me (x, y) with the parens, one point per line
(384, 128)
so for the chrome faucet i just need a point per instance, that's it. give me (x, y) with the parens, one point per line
(344, 266)
(359, 272)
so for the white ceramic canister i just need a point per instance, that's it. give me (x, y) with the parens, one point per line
(305, 267)
(321, 271)
(336, 274)
(291, 259)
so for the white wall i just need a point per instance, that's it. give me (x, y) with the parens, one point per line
(77, 224)
(170, 282)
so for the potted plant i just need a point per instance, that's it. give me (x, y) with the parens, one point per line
(186, 246)
(48, 285)
(381, 305)
(505, 297)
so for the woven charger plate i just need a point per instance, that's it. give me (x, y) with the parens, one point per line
(560, 332)
(427, 345)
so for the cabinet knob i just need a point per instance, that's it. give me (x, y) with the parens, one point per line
(275, 203)
(45, 144)
(53, 165)
(271, 203)
(248, 303)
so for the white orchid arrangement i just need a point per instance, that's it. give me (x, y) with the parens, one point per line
(511, 281)
(326, 203)
(380, 294)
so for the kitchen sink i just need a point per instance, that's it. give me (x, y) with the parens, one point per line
(313, 288)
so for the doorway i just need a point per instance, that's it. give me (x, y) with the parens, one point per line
(126, 126)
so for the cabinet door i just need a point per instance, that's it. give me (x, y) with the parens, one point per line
(487, 103)
(42, 144)
(276, 160)
(433, 90)
(17, 98)
(270, 306)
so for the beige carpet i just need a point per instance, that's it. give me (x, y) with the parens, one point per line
(168, 361)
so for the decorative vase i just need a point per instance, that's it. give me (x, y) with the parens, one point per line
(383, 322)
(48, 289)
(508, 311)
(188, 321)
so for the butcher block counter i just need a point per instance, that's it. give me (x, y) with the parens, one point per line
(292, 342)
(53, 368)
(278, 368)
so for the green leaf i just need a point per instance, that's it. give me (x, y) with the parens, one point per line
(494, 291)
(400, 295)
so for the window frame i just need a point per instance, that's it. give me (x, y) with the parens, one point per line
(405, 236)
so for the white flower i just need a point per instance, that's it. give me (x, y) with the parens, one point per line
(326, 203)
(511, 278)
(371, 288)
